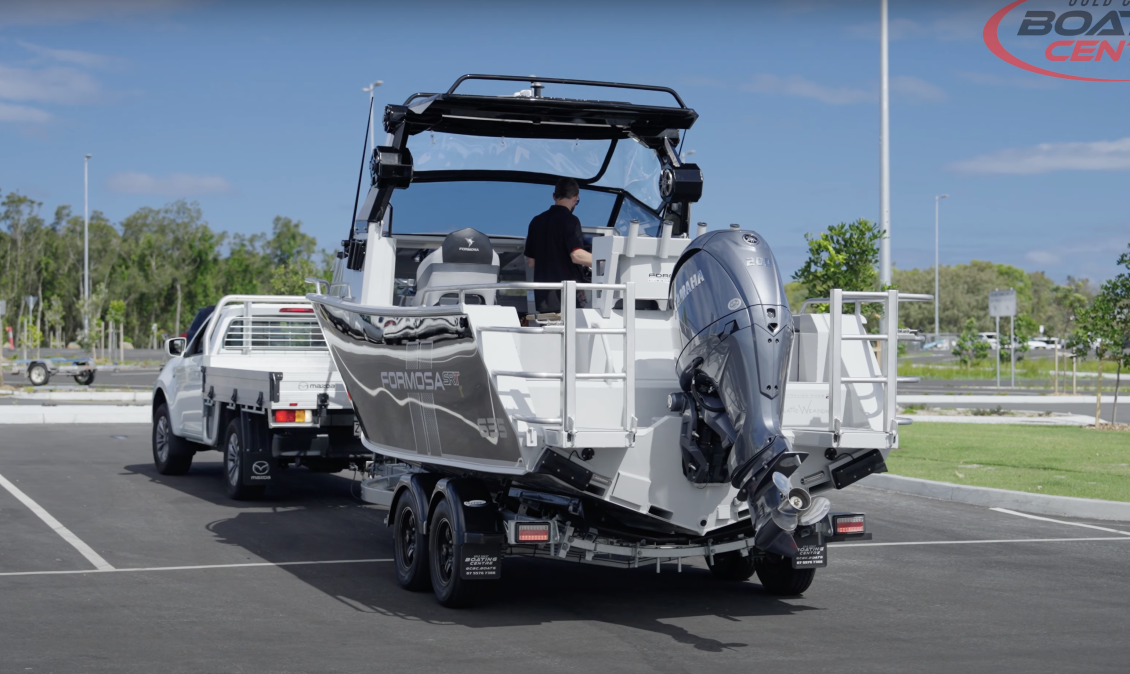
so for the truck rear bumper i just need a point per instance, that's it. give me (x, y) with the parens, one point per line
(335, 444)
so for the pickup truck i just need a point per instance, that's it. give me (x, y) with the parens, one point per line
(254, 380)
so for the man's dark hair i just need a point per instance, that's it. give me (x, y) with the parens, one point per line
(566, 188)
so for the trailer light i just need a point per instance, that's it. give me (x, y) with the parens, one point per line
(296, 310)
(292, 416)
(848, 524)
(533, 532)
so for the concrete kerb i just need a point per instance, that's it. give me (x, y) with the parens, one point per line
(1040, 504)
(75, 414)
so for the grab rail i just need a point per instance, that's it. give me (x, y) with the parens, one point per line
(247, 301)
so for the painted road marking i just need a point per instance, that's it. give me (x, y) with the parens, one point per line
(1048, 519)
(88, 552)
(844, 546)
(193, 568)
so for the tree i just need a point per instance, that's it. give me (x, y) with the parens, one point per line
(843, 257)
(970, 349)
(290, 279)
(1104, 326)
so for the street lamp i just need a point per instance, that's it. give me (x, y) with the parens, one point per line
(372, 130)
(937, 298)
(86, 246)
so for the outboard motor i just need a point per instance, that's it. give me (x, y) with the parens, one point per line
(737, 333)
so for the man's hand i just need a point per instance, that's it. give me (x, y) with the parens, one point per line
(581, 256)
(530, 262)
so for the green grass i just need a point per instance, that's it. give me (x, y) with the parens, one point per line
(1059, 460)
(1025, 369)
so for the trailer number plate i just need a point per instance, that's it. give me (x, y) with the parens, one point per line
(356, 429)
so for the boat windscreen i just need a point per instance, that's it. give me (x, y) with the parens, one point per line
(632, 167)
(500, 208)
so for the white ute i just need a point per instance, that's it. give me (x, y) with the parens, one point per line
(254, 380)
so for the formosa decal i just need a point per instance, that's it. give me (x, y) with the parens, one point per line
(419, 380)
(1096, 32)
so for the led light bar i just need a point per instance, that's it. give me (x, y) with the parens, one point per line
(296, 310)
(533, 532)
(848, 524)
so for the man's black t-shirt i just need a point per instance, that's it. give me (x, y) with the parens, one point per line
(552, 237)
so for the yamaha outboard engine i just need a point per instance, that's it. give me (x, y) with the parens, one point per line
(737, 334)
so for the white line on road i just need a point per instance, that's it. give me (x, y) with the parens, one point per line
(844, 546)
(86, 551)
(1048, 519)
(192, 568)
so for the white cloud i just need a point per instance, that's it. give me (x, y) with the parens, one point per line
(1021, 82)
(176, 185)
(22, 113)
(1047, 157)
(79, 58)
(1043, 257)
(798, 86)
(917, 88)
(47, 85)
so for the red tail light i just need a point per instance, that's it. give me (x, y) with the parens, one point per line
(296, 310)
(533, 532)
(849, 524)
(292, 416)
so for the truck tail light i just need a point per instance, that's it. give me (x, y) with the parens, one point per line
(292, 416)
(533, 532)
(848, 524)
(296, 310)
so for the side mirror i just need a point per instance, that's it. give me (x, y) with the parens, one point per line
(175, 346)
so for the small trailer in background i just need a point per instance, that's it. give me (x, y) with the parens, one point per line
(40, 370)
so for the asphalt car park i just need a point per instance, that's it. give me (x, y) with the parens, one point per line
(302, 582)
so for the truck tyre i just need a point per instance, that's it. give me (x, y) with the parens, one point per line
(171, 455)
(233, 465)
(38, 374)
(731, 566)
(451, 589)
(85, 378)
(410, 544)
(778, 576)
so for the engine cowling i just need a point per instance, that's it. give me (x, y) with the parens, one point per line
(737, 334)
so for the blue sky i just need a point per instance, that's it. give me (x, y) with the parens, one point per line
(256, 110)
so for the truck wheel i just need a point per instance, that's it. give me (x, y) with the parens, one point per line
(410, 544)
(778, 576)
(731, 566)
(38, 374)
(451, 590)
(171, 455)
(233, 466)
(85, 378)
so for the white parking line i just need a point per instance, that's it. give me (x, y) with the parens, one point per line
(191, 568)
(845, 546)
(86, 551)
(1048, 519)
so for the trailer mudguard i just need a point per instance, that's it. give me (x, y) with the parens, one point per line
(478, 537)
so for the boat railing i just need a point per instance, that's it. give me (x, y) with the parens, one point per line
(569, 331)
(889, 299)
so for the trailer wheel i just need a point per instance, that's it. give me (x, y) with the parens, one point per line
(171, 455)
(410, 544)
(233, 466)
(85, 378)
(38, 374)
(778, 576)
(451, 590)
(731, 566)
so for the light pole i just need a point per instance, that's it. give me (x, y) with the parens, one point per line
(937, 297)
(884, 152)
(372, 130)
(86, 246)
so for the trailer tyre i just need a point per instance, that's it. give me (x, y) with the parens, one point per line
(451, 589)
(410, 544)
(731, 566)
(85, 378)
(778, 576)
(38, 374)
(233, 465)
(171, 455)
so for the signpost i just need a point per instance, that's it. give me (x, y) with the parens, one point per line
(30, 301)
(3, 310)
(1003, 303)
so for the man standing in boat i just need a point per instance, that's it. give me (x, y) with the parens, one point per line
(555, 245)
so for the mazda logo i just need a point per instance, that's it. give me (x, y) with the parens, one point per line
(260, 468)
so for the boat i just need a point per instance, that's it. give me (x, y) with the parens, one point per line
(675, 407)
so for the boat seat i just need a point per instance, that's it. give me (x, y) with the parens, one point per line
(466, 257)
